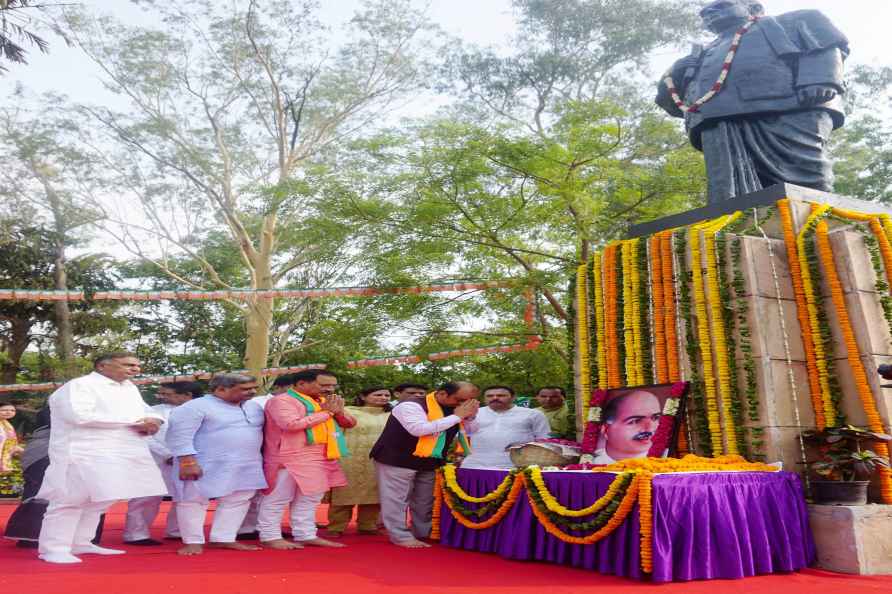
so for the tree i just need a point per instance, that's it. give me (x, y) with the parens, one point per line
(27, 258)
(227, 112)
(45, 170)
(19, 21)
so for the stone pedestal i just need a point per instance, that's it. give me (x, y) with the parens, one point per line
(853, 539)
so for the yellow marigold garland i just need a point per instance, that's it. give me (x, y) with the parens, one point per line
(853, 355)
(660, 360)
(802, 312)
(625, 507)
(555, 506)
(829, 410)
(452, 483)
(717, 326)
(628, 314)
(510, 500)
(637, 331)
(689, 463)
(598, 283)
(611, 296)
(704, 340)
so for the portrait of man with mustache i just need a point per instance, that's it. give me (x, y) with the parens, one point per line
(630, 421)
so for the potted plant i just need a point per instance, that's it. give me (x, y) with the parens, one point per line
(845, 464)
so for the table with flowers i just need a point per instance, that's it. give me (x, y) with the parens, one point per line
(664, 520)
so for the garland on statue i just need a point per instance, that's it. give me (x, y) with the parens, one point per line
(658, 304)
(720, 83)
(582, 337)
(598, 284)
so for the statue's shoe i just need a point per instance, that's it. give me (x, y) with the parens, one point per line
(60, 558)
(94, 550)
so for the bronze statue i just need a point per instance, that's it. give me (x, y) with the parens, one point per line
(761, 100)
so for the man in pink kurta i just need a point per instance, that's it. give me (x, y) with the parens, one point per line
(299, 473)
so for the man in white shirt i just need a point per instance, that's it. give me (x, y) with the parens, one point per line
(142, 511)
(501, 424)
(99, 454)
(630, 421)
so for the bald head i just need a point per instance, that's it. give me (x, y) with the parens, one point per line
(724, 15)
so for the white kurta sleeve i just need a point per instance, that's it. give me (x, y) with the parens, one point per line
(414, 420)
(541, 428)
(77, 403)
(183, 424)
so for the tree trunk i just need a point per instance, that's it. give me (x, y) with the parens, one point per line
(259, 316)
(18, 342)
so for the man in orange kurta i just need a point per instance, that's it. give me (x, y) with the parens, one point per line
(298, 472)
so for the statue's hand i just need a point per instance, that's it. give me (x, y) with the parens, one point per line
(816, 95)
(680, 70)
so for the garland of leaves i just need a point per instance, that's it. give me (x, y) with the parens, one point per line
(596, 340)
(735, 402)
(882, 284)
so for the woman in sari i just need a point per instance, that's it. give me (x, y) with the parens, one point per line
(10, 471)
(371, 412)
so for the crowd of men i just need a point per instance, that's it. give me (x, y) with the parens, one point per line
(256, 456)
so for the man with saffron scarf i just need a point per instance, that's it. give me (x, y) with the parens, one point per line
(413, 445)
(302, 445)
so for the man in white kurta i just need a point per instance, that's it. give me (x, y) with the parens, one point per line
(99, 454)
(142, 511)
(501, 424)
(216, 440)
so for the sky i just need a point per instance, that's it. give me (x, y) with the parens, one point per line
(483, 22)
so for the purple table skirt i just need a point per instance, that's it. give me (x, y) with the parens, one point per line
(706, 526)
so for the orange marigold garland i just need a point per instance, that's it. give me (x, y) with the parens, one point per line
(802, 315)
(438, 506)
(853, 354)
(646, 520)
(494, 519)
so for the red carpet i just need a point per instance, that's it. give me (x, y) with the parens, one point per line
(369, 564)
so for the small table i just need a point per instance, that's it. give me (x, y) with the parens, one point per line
(718, 525)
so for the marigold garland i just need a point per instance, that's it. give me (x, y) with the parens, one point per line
(853, 354)
(554, 506)
(717, 327)
(625, 507)
(661, 364)
(598, 285)
(802, 311)
(611, 315)
(705, 341)
(644, 338)
(629, 318)
(438, 506)
(510, 500)
(646, 520)
(451, 482)
(815, 311)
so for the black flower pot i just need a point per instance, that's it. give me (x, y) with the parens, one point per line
(840, 492)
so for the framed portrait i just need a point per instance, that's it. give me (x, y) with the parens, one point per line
(634, 422)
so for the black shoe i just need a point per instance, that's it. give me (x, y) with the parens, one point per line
(248, 536)
(145, 542)
(26, 544)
